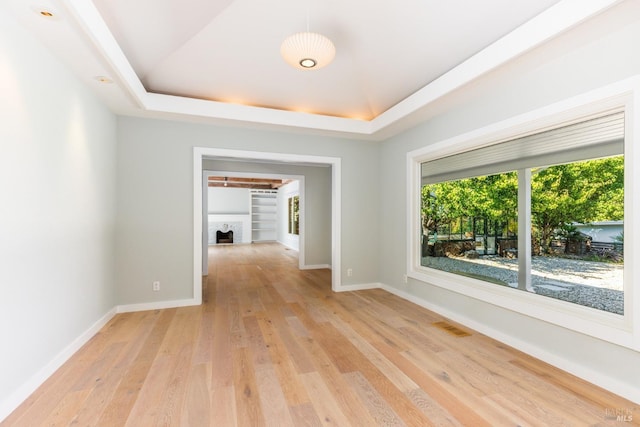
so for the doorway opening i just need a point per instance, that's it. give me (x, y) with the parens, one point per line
(202, 154)
(253, 206)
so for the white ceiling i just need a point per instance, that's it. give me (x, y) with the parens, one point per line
(219, 60)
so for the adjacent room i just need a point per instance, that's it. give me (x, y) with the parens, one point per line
(319, 213)
(252, 210)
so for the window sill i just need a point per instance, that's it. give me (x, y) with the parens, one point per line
(589, 321)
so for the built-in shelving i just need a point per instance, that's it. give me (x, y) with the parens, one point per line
(263, 215)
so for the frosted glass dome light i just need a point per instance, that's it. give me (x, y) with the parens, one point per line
(307, 51)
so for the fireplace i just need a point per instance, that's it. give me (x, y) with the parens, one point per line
(224, 237)
(239, 224)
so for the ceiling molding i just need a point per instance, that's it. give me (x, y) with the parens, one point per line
(552, 22)
(549, 24)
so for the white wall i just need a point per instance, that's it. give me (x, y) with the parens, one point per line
(57, 187)
(230, 206)
(595, 54)
(154, 238)
(284, 193)
(603, 231)
(228, 200)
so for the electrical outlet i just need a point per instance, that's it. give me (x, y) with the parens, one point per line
(349, 272)
(405, 278)
(156, 286)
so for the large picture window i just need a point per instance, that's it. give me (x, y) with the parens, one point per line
(531, 214)
(470, 228)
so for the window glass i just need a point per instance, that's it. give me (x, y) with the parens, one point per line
(577, 212)
(294, 215)
(470, 228)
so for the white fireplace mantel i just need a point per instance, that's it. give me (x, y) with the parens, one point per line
(239, 223)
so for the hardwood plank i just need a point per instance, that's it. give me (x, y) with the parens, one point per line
(161, 397)
(272, 345)
(249, 409)
(451, 402)
(430, 407)
(145, 410)
(334, 382)
(324, 402)
(282, 360)
(255, 341)
(305, 416)
(169, 407)
(348, 359)
(203, 352)
(395, 375)
(375, 403)
(454, 383)
(107, 385)
(274, 405)
(223, 406)
(67, 408)
(296, 352)
(78, 370)
(525, 415)
(221, 351)
(196, 410)
(297, 327)
(237, 333)
(101, 394)
(574, 385)
(119, 406)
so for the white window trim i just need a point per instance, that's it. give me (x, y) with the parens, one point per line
(622, 330)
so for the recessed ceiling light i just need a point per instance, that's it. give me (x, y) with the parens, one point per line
(104, 79)
(46, 12)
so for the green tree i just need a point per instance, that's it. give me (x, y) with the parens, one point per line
(492, 197)
(581, 192)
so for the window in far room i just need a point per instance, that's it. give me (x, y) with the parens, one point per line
(294, 215)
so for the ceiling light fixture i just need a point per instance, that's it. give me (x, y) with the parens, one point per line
(104, 79)
(307, 50)
(46, 13)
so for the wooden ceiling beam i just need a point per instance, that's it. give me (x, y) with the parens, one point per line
(241, 185)
(239, 182)
(246, 180)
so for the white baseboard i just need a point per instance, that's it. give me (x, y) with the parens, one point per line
(594, 377)
(146, 306)
(293, 248)
(315, 267)
(359, 287)
(21, 394)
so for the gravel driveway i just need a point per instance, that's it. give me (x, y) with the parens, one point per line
(592, 284)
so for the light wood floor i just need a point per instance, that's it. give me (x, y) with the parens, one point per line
(274, 346)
